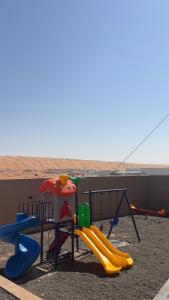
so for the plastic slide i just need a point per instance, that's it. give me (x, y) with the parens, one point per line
(112, 259)
(122, 256)
(107, 265)
(26, 249)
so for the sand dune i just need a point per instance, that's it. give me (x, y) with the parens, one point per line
(31, 167)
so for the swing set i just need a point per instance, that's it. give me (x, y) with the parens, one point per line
(121, 196)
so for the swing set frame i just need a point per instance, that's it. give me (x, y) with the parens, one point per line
(124, 198)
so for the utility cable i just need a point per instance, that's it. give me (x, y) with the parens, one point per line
(141, 143)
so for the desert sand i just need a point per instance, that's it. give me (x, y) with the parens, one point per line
(14, 167)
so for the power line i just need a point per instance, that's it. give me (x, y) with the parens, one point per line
(141, 143)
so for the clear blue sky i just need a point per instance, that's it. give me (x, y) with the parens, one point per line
(84, 78)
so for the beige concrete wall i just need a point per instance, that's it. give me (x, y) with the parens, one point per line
(137, 191)
(144, 191)
(158, 192)
(13, 192)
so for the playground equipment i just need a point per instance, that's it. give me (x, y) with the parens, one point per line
(61, 194)
(58, 207)
(111, 258)
(141, 211)
(113, 215)
(26, 249)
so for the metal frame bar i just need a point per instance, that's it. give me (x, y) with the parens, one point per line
(44, 211)
(91, 207)
(41, 243)
(124, 196)
(90, 193)
(57, 236)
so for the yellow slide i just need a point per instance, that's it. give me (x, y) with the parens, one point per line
(121, 255)
(112, 259)
(107, 265)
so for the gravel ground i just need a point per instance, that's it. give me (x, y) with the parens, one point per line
(6, 296)
(85, 278)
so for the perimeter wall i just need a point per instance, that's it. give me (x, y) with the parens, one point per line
(144, 191)
(158, 192)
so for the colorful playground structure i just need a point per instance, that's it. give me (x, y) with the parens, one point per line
(60, 207)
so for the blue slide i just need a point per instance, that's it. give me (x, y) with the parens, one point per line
(26, 249)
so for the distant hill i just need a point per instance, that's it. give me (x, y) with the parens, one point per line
(33, 167)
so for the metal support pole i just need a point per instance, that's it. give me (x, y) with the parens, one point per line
(72, 239)
(76, 204)
(116, 215)
(76, 211)
(91, 208)
(57, 244)
(77, 243)
(41, 242)
(132, 216)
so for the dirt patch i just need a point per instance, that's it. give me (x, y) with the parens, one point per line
(4, 295)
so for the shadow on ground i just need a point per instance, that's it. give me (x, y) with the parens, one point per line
(32, 274)
(84, 267)
(38, 271)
